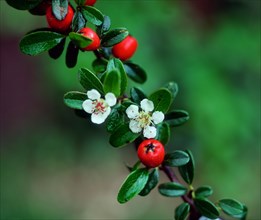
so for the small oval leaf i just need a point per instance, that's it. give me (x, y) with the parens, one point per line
(23, 4)
(114, 36)
(74, 99)
(172, 189)
(137, 95)
(151, 183)
(206, 208)
(60, 8)
(163, 133)
(57, 51)
(176, 117)
(112, 82)
(71, 55)
(182, 211)
(176, 159)
(79, 40)
(203, 192)
(135, 72)
(173, 88)
(233, 208)
(187, 171)
(92, 15)
(162, 100)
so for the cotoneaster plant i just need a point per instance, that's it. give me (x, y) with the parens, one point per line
(132, 117)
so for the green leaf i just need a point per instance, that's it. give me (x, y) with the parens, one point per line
(92, 15)
(57, 51)
(60, 8)
(74, 99)
(163, 133)
(135, 72)
(151, 183)
(23, 4)
(114, 36)
(173, 88)
(112, 83)
(176, 117)
(233, 208)
(187, 171)
(80, 2)
(79, 40)
(182, 211)
(133, 185)
(78, 21)
(137, 95)
(122, 136)
(115, 119)
(176, 159)
(89, 80)
(99, 65)
(203, 192)
(40, 41)
(106, 24)
(172, 189)
(161, 99)
(71, 55)
(206, 208)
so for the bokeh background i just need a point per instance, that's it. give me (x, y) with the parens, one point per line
(55, 165)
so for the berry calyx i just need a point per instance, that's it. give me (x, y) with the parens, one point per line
(90, 2)
(62, 26)
(151, 153)
(125, 49)
(89, 33)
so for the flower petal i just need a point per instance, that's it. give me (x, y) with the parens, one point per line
(147, 105)
(110, 99)
(88, 106)
(149, 132)
(93, 94)
(134, 126)
(132, 111)
(100, 117)
(157, 117)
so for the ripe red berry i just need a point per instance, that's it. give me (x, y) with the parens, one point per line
(89, 33)
(151, 153)
(60, 25)
(90, 2)
(125, 49)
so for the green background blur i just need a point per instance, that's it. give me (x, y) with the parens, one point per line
(55, 165)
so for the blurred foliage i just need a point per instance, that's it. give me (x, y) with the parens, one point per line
(51, 161)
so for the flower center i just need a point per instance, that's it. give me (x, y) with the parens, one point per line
(144, 119)
(100, 106)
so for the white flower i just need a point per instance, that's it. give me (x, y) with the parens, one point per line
(144, 120)
(97, 106)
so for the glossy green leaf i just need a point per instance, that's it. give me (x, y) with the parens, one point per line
(114, 36)
(122, 136)
(23, 4)
(74, 99)
(92, 15)
(89, 80)
(233, 208)
(203, 191)
(71, 55)
(115, 119)
(99, 65)
(79, 40)
(60, 8)
(163, 133)
(206, 208)
(187, 171)
(137, 95)
(176, 158)
(57, 51)
(176, 117)
(78, 21)
(151, 183)
(162, 100)
(173, 88)
(39, 41)
(182, 211)
(112, 82)
(172, 189)
(133, 185)
(135, 72)
(106, 24)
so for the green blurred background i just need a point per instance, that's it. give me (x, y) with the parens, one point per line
(55, 165)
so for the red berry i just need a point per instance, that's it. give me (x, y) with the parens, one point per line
(90, 2)
(125, 49)
(151, 153)
(60, 25)
(89, 33)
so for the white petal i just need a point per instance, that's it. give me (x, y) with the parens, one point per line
(157, 117)
(134, 126)
(132, 111)
(93, 94)
(147, 105)
(100, 117)
(149, 132)
(110, 99)
(88, 106)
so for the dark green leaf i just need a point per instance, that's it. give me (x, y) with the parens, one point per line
(23, 4)
(135, 72)
(206, 208)
(115, 119)
(92, 15)
(137, 95)
(163, 133)
(106, 24)
(114, 36)
(173, 88)
(133, 185)
(57, 51)
(187, 171)
(80, 40)
(89, 80)
(233, 208)
(161, 99)
(112, 82)
(182, 211)
(176, 117)
(99, 65)
(80, 2)
(60, 8)
(78, 21)
(176, 159)
(122, 136)
(172, 189)
(38, 42)
(71, 55)
(203, 191)
(151, 183)
(74, 99)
